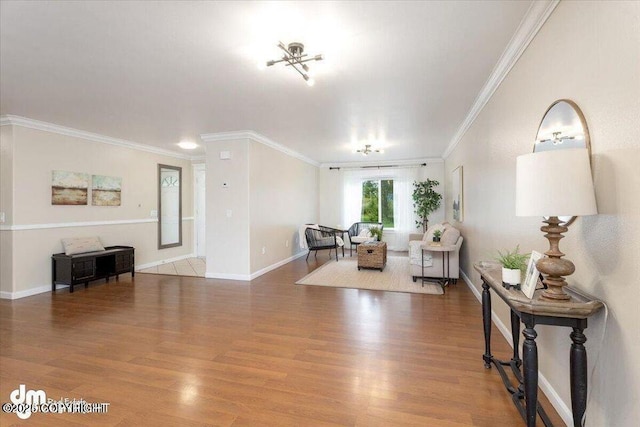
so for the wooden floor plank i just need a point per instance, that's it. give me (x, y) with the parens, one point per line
(187, 351)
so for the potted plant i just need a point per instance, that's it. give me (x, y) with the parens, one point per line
(376, 233)
(513, 264)
(437, 234)
(425, 201)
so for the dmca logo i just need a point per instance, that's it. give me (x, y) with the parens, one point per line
(26, 402)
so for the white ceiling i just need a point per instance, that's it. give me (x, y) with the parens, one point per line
(403, 73)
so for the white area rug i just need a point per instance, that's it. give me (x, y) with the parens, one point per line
(396, 277)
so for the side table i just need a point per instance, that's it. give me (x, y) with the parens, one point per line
(372, 255)
(532, 312)
(446, 250)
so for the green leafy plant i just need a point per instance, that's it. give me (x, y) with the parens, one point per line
(376, 232)
(425, 201)
(437, 234)
(513, 260)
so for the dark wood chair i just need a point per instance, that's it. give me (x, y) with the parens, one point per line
(321, 238)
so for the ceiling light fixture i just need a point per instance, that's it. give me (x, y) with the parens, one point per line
(295, 57)
(558, 139)
(367, 149)
(187, 145)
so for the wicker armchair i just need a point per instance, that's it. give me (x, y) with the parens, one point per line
(356, 229)
(322, 238)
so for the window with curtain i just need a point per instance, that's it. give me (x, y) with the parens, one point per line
(382, 196)
(377, 202)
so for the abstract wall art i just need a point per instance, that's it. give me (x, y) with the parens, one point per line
(69, 188)
(105, 190)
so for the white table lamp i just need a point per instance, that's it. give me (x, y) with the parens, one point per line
(552, 184)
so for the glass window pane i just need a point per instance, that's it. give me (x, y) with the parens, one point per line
(369, 201)
(386, 196)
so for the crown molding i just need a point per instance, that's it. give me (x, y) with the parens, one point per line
(63, 130)
(536, 16)
(407, 162)
(255, 136)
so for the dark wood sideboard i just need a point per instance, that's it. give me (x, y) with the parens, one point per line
(84, 268)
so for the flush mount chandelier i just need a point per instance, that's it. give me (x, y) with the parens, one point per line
(295, 57)
(367, 149)
(558, 139)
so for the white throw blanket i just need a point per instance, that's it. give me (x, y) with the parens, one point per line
(415, 251)
(303, 239)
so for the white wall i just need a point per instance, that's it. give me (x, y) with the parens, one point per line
(6, 207)
(588, 52)
(283, 196)
(34, 154)
(227, 236)
(269, 195)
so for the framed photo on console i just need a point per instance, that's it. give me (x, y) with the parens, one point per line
(531, 277)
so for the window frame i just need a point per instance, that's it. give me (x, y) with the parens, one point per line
(379, 181)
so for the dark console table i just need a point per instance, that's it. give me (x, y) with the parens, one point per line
(532, 312)
(83, 268)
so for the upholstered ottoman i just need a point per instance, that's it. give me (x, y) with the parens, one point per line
(372, 255)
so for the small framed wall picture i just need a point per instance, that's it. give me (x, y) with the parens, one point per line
(530, 281)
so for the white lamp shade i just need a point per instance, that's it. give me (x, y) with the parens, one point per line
(555, 183)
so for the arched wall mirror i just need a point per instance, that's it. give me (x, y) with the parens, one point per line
(169, 206)
(562, 127)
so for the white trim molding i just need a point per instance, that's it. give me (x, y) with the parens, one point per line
(556, 401)
(74, 224)
(535, 18)
(90, 136)
(225, 276)
(276, 265)
(29, 292)
(80, 224)
(255, 136)
(249, 277)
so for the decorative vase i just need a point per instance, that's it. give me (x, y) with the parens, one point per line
(436, 239)
(510, 276)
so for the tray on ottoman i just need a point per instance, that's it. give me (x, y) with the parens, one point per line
(372, 255)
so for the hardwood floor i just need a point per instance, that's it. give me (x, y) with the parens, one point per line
(187, 351)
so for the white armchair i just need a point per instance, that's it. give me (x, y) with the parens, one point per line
(433, 259)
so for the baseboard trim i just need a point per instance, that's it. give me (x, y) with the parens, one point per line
(255, 274)
(47, 288)
(29, 292)
(164, 261)
(225, 276)
(556, 401)
(277, 264)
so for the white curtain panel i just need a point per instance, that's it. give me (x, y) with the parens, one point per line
(404, 217)
(352, 203)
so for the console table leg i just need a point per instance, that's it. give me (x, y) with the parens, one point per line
(515, 335)
(422, 261)
(530, 374)
(578, 376)
(486, 320)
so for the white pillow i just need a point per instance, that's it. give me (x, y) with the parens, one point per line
(81, 245)
(450, 236)
(428, 236)
(365, 233)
